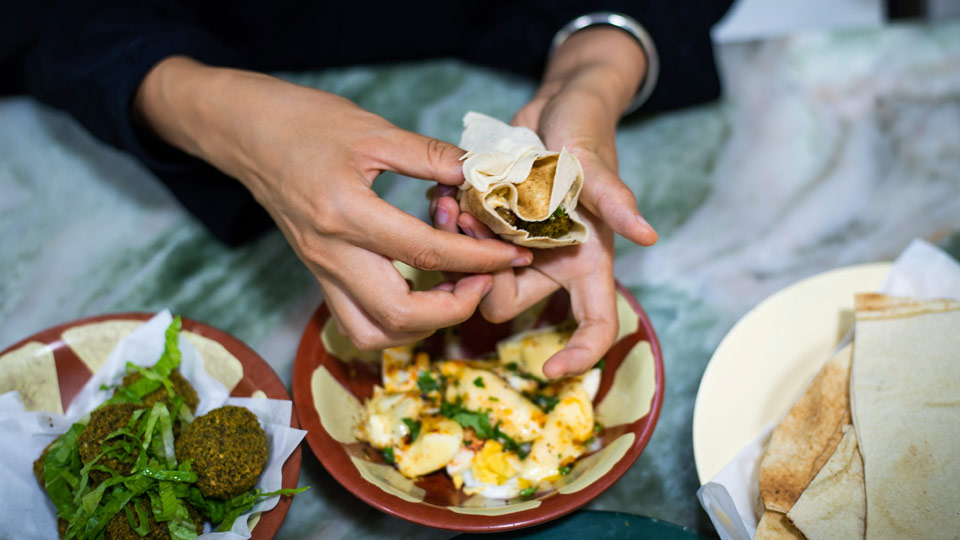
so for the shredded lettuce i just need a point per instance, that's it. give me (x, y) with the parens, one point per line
(170, 359)
(61, 470)
(188, 477)
(143, 528)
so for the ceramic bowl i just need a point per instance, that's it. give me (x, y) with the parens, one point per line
(331, 380)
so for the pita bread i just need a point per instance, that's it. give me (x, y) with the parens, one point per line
(31, 370)
(905, 395)
(833, 507)
(776, 526)
(807, 435)
(509, 168)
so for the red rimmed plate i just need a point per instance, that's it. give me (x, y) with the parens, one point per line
(331, 379)
(74, 350)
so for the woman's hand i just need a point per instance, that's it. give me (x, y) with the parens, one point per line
(584, 270)
(588, 83)
(310, 159)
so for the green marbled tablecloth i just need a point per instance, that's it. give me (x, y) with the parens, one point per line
(829, 149)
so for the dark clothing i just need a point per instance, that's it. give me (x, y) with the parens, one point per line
(88, 58)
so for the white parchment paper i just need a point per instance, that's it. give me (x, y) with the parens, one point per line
(26, 512)
(730, 498)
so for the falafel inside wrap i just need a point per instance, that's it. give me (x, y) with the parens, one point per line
(514, 185)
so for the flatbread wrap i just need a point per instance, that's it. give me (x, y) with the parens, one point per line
(514, 185)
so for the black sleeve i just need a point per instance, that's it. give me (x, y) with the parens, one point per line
(681, 33)
(89, 58)
(520, 41)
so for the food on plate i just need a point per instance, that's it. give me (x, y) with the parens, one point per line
(108, 424)
(181, 387)
(140, 465)
(120, 528)
(494, 425)
(895, 471)
(804, 439)
(833, 505)
(905, 389)
(228, 450)
(514, 185)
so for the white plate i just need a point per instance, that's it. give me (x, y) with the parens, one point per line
(765, 359)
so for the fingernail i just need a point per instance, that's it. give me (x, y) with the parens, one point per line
(443, 216)
(520, 261)
(487, 288)
(468, 231)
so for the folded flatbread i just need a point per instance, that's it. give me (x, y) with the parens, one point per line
(775, 526)
(905, 396)
(833, 507)
(514, 185)
(807, 436)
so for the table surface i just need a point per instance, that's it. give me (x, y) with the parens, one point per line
(828, 149)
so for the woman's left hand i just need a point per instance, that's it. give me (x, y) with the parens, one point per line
(584, 92)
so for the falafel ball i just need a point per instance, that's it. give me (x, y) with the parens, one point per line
(181, 386)
(228, 448)
(38, 464)
(105, 420)
(119, 526)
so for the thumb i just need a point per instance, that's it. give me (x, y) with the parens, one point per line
(609, 198)
(419, 156)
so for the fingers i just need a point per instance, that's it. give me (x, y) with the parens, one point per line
(444, 209)
(379, 227)
(586, 347)
(595, 309)
(608, 197)
(513, 291)
(357, 325)
(385, 296)
(418, 156)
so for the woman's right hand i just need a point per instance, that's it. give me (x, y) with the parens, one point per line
(310, 158)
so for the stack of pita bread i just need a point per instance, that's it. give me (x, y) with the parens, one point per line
(871, 449)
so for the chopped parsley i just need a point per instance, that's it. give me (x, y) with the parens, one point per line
(508, 443)
(526, 493)
(427, 383)
(547, 403)
(478, 382)
(414, 427)
(564, 470)
(388, 456)
(601, 364)
(479, 422)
